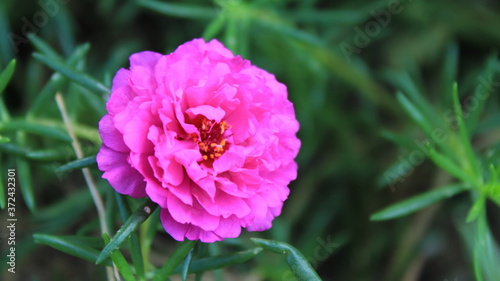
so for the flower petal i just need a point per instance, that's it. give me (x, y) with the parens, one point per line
(115, 165)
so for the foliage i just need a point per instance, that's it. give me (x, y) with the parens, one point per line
(399, 112)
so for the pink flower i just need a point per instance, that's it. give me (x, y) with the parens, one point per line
(203, 133)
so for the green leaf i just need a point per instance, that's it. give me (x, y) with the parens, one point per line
(135, 244)
(217, 262)
(133, 222)
(43, 47)
(57, 80)
(449, 74)
(81, 131)
(13, 149)
(79, 200)
(407, 84)
(446, 164)
(482, 92)
(418, 202)
(6, 75)
(136, 255)
(120, 262)
(415, 114)
(72, 245)
(49, 154)
(73, 74)
(214, 27)
(4, 80)
(177, 257)
(477, 209)
(179, 10)
(470, 161)
(3, 200)
(77, 164)
(34, 128)
(299, 265)
(185, 265)
(486, 251)
(25, 180)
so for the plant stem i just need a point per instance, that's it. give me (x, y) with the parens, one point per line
(99, 204)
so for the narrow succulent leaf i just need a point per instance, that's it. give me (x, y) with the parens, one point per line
(476, 209)
(214, 27)
(77, 164)
(218, 262)
(57, 80)
(73, 74)
(26, 183)
(299, 265)
(449, 74)
(418, 117)
(49, 154)
(80, 199)
(470, 161)
(177, 257)
(81, 131)
(2, 186)
(135, 244)
(43, 47)
(6, 75)
(179, 10)
(133, 222)
(185, 265)
(120, 262)
(418, 202)
(446, 164)
(13, 149)
(333, 62)
(485, 87)
(486, 250)
(136, 255)
(407, 84)
(7, 49)
(34, 128)
(71, 245)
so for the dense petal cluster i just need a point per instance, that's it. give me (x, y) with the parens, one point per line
(203, 133)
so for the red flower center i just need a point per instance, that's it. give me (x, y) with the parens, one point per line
(211, 140)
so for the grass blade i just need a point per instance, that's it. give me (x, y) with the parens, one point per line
(299, 265)
(418, 202)
(128, 227)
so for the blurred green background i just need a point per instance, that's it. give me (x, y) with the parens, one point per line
(342, 61)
